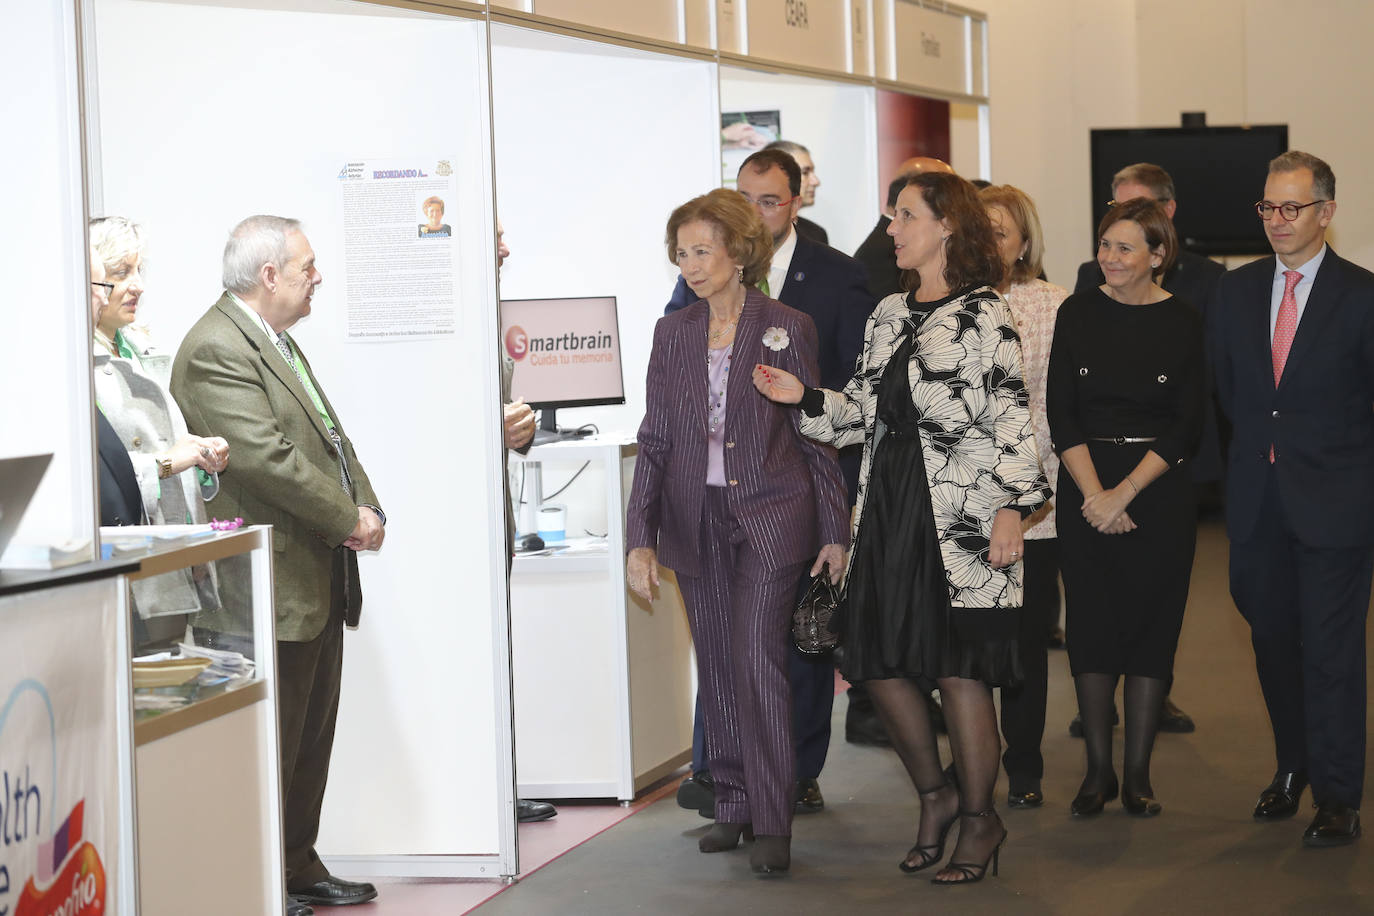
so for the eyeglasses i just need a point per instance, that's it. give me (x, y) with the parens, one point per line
(769, 204)
(1288, 211)
(108, 287)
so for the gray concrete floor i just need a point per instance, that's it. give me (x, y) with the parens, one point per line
(1203, 855)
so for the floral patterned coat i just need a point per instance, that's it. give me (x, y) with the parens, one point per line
(980, 451)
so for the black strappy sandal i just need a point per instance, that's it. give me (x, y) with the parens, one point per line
(936, 851)
(973, 872)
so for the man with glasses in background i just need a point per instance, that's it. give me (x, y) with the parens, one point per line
(832, 288)
(809, 183)
(1193, 279)
(1293, 339)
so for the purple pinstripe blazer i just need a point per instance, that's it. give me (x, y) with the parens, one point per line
(786, 490)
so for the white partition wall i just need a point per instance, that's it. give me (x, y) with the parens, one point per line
(837, 122)
(47, 380)
(210, 112)
(595, 146)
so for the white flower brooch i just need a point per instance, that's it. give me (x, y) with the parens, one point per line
(776, 339)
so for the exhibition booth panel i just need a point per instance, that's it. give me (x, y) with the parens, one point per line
(355, 118)
(47, 379)
(835, 120)
(604, 685)
(66, 743)
(205, 716)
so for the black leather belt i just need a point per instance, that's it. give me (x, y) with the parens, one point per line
(1123, 440)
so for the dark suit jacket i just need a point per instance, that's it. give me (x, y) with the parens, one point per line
(878, 255)
(813, 231)
(120, 500)
(1193, 279)
(1319, 419)
(230, 380)
(784, 488)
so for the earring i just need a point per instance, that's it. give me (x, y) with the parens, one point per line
(739, 272)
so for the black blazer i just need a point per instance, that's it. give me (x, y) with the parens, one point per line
(878, 255)
(121, 503)
(1319, 419)
(813, 231)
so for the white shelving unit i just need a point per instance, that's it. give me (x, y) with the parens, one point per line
(604, 682)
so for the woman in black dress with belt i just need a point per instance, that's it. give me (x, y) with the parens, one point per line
(949, 470)
(1124, 398)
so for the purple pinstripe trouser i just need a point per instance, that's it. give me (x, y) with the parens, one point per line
(740, 615)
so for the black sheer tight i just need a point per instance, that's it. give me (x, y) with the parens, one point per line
(972, 724)
(902, 707)
(1143, 697)
(1096, 694)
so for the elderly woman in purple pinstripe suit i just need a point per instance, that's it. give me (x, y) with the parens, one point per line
(729, 494)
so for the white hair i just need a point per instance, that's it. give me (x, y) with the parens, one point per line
(256, 241)
(115, 239)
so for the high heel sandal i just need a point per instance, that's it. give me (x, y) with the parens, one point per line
(723, 836)
(934, 852)
(973, 872)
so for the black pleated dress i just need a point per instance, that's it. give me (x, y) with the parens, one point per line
(897, 620)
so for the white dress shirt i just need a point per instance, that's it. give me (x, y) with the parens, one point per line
(782, 260)
(1300, 292)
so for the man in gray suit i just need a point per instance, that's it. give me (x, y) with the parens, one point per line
(241, 375)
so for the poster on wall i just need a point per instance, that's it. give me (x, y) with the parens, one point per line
(743, 133)
(59, 770)
(401, 260)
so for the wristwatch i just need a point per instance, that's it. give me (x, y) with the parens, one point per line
(164, 468)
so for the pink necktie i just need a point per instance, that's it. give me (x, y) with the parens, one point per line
(1287, 324)
(1284, 328)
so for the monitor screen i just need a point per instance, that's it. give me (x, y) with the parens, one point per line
(566, 351)
(1218, 175)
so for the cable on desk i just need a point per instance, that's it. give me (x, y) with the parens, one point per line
(569, 483)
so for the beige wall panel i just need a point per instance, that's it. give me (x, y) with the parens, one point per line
(730, 26)
(861, 37)
(809, 33)
(931, 48)
(698, 23)
(657, 19)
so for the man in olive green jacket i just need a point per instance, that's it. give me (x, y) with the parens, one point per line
(240, 374)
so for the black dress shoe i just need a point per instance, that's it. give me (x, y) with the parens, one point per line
(527, 812)
(1090, 804)
(295, 908)
(1173, 719)
(1280, 798)
(772, 855)
(332, 891)
(1140, 805)
(1030, 799)
(1334, 825)
(809, 797)
(866, 730)
(698, 793)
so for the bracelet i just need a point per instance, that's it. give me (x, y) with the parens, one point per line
(1132, 483)
(164, 468)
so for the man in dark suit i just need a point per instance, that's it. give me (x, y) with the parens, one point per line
(1193, 279)
(809, 183)
(830, 287)
(240, 374)
(1293, 339)
(878, 253)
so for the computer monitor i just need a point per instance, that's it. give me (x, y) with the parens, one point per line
(566, 353)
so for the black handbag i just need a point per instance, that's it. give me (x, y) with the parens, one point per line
(812, 620)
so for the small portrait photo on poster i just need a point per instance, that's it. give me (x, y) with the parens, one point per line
(434, 226)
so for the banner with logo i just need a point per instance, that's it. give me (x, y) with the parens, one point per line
(59, 768)
(566, 351)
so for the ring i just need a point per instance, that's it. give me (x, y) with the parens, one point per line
(204, 452)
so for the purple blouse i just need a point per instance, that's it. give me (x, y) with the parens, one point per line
(718, 377)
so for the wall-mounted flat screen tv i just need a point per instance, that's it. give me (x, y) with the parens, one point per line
(1218, 175)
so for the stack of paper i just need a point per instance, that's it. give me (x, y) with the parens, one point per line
(225, 664)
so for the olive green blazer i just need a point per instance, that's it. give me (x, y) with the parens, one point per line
(230, 380)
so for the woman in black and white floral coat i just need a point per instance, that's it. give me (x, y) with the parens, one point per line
(949, 470)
